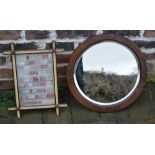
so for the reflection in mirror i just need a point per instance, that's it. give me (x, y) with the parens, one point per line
(107, 73)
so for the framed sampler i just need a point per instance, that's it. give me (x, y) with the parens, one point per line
(35, 79)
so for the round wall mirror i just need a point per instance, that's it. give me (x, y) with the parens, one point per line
(106, 73)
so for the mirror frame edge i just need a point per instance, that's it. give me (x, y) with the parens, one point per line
(92, 41)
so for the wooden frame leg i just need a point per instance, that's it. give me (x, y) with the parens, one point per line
(55, 78)
(15, 79)
(18, 114)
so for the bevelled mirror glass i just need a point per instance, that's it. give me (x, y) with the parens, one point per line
(107, 73)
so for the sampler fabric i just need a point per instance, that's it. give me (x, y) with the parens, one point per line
(35, 79)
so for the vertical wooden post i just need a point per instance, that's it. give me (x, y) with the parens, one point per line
(15, 79)
(55, 77)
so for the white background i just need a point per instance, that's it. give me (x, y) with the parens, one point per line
(77, 139)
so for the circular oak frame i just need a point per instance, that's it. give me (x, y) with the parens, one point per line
(123, 103)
